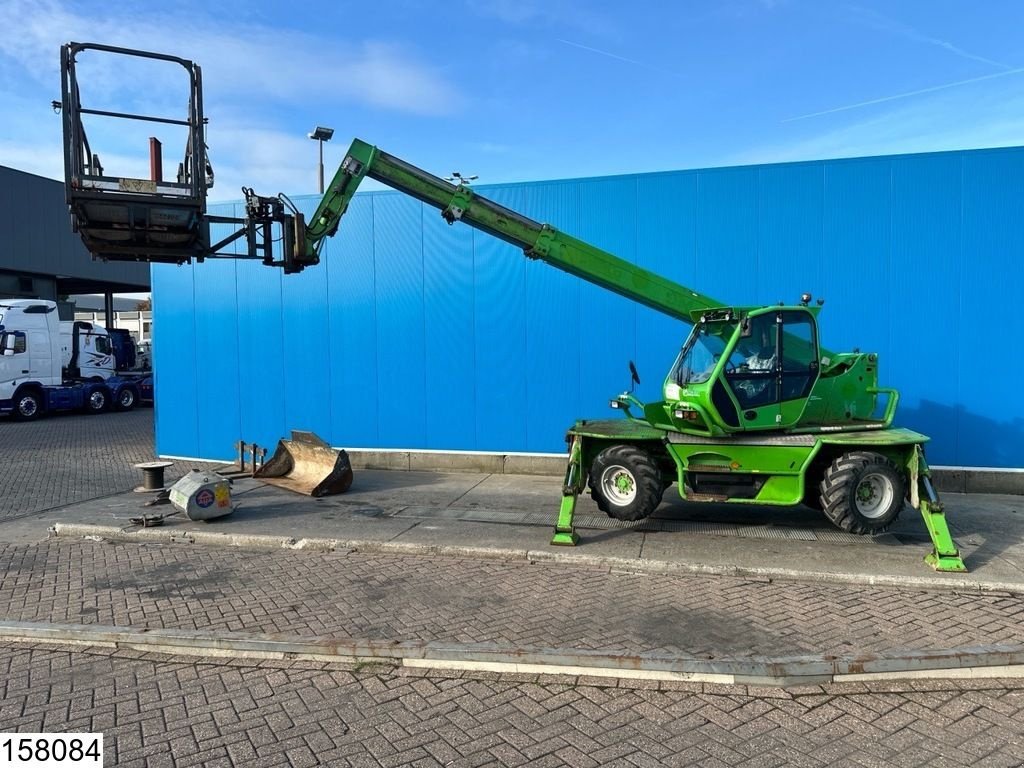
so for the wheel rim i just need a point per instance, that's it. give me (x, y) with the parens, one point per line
(127, 398)
(28, 406)
(874, 495)
(618, 485)
(97, 400)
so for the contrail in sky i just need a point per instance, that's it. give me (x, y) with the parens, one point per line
(886, 24)
(894, 97)
(616, 56)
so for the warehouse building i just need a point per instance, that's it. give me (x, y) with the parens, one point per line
(413, 335)
(41, 258)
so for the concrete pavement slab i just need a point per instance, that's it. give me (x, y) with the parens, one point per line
(516, 512)
(525, 492)
(991, 661)
(527, 538)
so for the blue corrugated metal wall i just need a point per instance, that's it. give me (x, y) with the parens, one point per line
(414, 334)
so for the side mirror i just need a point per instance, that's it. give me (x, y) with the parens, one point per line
(633, 374)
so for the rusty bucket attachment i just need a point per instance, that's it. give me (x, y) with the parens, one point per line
(306, 464)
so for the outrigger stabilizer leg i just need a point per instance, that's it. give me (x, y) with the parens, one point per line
(565, 533)
(944, 555)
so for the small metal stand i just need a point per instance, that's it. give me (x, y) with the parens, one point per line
(257, 453)
(152, 476)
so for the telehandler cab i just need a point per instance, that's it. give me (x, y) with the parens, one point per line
(753, 411)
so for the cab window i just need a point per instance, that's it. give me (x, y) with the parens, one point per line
(752, 369)
(14, 343)
(701, 352)
(799, 354)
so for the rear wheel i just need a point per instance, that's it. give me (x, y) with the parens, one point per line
(863, 492)
(626, 483)
(127, 397)
(28, 404)
(97, 400)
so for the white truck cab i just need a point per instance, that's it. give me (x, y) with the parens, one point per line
(86, 351)
(29, 344)
(47, 365)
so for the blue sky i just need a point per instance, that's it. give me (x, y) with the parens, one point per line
(529, 89)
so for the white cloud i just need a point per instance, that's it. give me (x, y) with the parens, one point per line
(268, 160)
(244, 61)
(252, 75)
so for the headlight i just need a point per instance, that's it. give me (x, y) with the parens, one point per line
(673, 391)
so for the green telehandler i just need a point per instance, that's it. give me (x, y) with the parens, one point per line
(753, 409)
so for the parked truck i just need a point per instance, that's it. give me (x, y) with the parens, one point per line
(87, 353)
(125, 349)
(47, 365)
(132, 362)
(753, 411)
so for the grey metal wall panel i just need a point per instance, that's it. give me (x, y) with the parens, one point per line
(36, 236)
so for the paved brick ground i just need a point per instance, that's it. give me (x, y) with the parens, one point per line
(71, 457)
(161, 711)
(464, 600)
(155, 711)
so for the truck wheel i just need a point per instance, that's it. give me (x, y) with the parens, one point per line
(28, 404)
(626, 483)
(97, 400)
(863, 492)
(126, 399)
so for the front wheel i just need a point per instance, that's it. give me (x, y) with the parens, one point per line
(626, 483)
(863, 492)
(28, 405)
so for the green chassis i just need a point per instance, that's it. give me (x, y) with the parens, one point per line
(786, 459)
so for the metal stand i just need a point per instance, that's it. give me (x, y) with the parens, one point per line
(256, 453)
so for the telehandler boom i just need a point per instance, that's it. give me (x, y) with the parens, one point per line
(753, 410)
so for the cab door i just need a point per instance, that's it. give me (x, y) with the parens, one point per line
(752, 373)
(772, 368)
(798, 344)
(14, 362)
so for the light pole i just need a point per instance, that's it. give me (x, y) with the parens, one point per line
(320, 135)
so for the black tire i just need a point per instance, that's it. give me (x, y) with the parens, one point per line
(863, 492)
(626, 483)
(28, 405)
(97, 400)
(127, 398)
